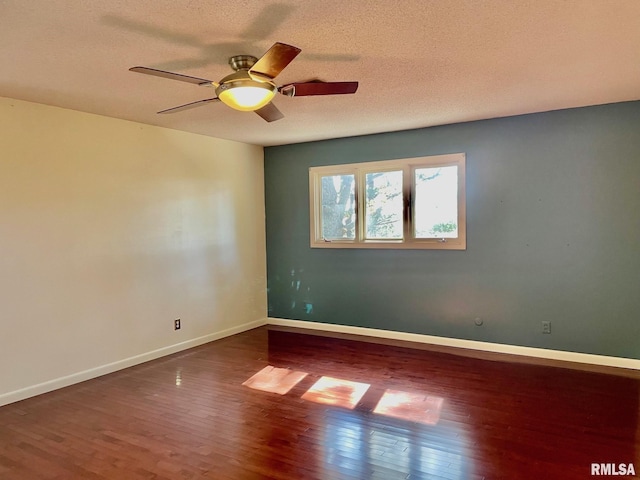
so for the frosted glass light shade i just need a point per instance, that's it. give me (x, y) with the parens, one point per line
(246, 96)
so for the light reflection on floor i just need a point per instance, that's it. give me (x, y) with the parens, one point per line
(334, 391)
(275, 380)
(357, 445)
(414, 407)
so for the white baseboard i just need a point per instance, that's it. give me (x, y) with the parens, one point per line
(78, 377)
(559, 355)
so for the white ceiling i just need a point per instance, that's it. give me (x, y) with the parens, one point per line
(419, 62)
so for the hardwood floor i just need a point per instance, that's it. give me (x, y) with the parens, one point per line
(190, 416)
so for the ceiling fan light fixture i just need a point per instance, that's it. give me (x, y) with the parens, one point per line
(246, 94)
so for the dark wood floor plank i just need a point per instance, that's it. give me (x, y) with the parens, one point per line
(188, 416)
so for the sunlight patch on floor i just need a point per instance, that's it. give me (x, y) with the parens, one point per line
(334, 391)
(275, 380)
(414, 407)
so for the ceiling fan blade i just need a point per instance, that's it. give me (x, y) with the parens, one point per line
(270, 113)
(190, 105)
(318, 88)
(274, 61)
(171, 75)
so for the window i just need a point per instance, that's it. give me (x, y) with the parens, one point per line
(406, 203)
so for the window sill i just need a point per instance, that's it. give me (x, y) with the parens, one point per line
(451, 244)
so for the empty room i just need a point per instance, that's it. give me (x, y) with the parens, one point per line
(319, 240)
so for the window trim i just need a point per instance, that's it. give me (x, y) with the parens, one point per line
(408, 167)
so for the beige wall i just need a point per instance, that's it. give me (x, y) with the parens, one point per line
(109, 230)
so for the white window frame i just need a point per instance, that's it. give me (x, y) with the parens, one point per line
(408, 167)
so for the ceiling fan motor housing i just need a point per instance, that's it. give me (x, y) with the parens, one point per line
(242, 62)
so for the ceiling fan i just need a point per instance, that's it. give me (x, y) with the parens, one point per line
(251, 87)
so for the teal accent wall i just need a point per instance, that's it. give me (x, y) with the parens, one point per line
(553, 233)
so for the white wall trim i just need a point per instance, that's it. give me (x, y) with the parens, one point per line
(560, 355)
(78, 377)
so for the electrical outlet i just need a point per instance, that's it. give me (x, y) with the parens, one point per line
(546, 326)
(176, 324)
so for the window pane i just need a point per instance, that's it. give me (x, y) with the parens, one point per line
(383, 205)
(436, 202)
(338, 207)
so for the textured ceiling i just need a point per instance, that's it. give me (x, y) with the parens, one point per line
(419, 63)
